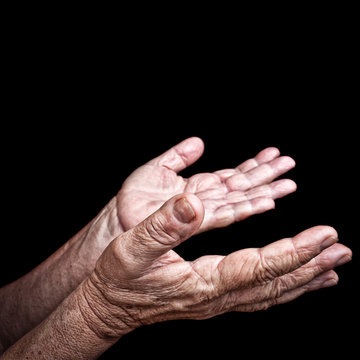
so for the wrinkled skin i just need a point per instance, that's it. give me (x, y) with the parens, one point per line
(88, 302)
(140, 280)
(228, 195)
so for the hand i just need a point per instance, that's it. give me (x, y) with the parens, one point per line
(228, 195)
(140, 280)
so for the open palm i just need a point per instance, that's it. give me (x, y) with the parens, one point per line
(228, 195)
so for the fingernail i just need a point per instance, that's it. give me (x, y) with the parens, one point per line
(343, 260)
(328, 242)
(329, 283)
(183, 211)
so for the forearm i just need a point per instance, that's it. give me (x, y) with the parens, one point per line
(27, 301)
(64, 335)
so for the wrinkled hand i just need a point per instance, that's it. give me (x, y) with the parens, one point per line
(140, 280)
(228, 195)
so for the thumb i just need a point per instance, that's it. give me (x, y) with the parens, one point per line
(177, 220)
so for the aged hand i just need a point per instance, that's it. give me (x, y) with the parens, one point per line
(228, 195)
(139, 279)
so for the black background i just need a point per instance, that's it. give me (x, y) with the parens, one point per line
(85, 107)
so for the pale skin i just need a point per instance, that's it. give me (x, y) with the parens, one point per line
(140, 279)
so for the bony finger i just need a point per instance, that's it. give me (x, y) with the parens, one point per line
(268, 295)
(325, 280)
(178, 219)
(251, 267)
(262, 157)
(315, 268)
(322, 281)
(313, 274)
(275, 190)
(235, 212)
(287, 255)
(260, 175)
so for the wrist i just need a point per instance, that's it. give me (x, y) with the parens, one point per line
(72, 331)
(106, 320)
(98, 234)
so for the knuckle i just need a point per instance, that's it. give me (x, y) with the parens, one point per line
(157, 230)
(263, 191)
(300, 255)
(205, 287)
(277, 288)
(318, 265)
(239, 181)
(267, 268)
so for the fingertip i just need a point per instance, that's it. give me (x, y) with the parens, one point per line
(288, 162)
(283, 187)
(194, 144)
(317, 238)
(324, 231)
(262, 204)
(197, 140)
(329, 283)
(331, 279)
(273, 150)
(324, 280)
(268, 154)
(187, 208)
(290, 185)
(181, 155)
(196, 205)
(183, 211)
(190, 150)
(343, 254)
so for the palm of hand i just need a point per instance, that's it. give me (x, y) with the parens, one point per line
(144, 191)
(228, 195)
